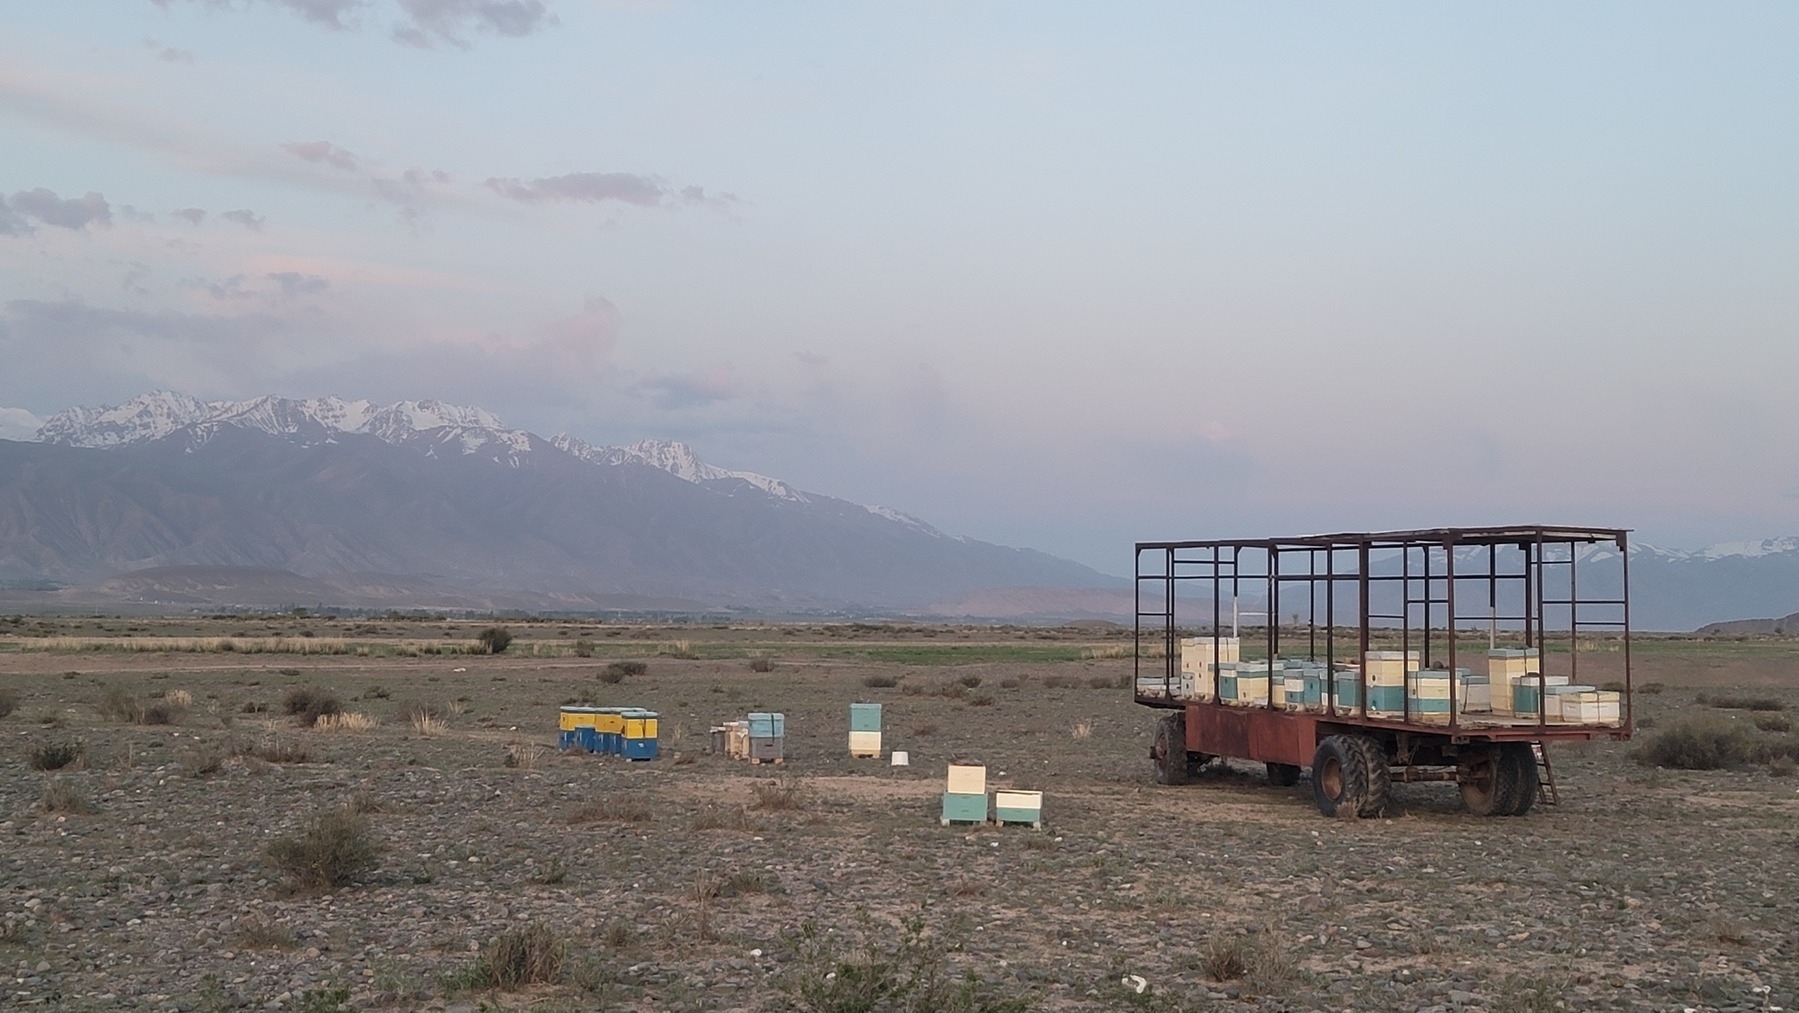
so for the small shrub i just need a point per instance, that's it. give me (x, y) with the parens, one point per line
(55, 755)
(762, 663)
(523, 755)
(1699, 744)
(258, 933)
(1224, 958)
(117, 705)
(1781, 766)
(980, 700)
(306, 704)
(615, 672)
(276, 751)
(1099, 682)
(160, 712)
(970, 680)
(332, 851)
(1083, 729)
(612, 810)
(532, 955)
(1773, 722)
(879, 681)
(584, 648)
(426, 725)
(723, 818)
(254, 707)
(619, 935)
(1746, 703)
(62, 797)
(952, 690)
(376, 693)
(784, 794)
(1008, 684)
(9, 702)
(1056, 682)
(912, 689)
(204, 761)
(412, 711)
(495, 639)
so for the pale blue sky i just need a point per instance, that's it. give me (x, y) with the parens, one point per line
(1057, 275)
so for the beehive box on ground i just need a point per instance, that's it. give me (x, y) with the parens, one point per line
(865, 729)
(640, 738)
(768, 737)
(964, 807)
(1018, 807)
(967, 779)
(865, 744)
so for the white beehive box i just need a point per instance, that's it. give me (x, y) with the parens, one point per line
(865, 743)
(967, 779)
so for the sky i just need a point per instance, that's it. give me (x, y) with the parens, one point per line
(1058, 275)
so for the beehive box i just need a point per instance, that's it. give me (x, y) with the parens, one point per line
(1018, 807)
(1528, 692)
(640, 740)
(609, 729)
(767, 725)
(865, 717)
(1227, 682)
(1257, 680)
(967, 779)
(865, 744)
(737, 740)
(964, 807)
(575, 729)
(1504, 667)
(1389, 668)
(1200, 658)
(1559, 701)
(1181, 686)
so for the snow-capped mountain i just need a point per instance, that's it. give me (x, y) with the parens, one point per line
(335, 490)
(439, 426)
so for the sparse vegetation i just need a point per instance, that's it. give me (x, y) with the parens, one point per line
(59, 796)
(531, 955)
(333, 851)
(617, 671)
(495, 639)
(1745, 703)
(9, 702)
(1773, 721)
(274, 750)
(783, 794)
(762, 663)
(306, 704)
(615, 809)
(55, 755)
(1700, 744)
(879, 681)
(348, 721)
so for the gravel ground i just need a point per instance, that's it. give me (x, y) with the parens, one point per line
(686, 884)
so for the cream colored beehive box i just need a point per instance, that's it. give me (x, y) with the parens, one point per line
(865, 744)
(1198, 661)
(1504, 668)
(967, 779)
(1389, 668)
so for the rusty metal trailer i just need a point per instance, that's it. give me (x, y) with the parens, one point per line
(1351, 654)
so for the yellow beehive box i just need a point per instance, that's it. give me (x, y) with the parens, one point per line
(967, 779)
(865, 743)
(1199, 660)
(1389, 668)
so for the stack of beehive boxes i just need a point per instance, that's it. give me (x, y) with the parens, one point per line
(1303, 688)
(1428, 694)
(1201, 659)
(965, 797)
(630, 732)
(1506, 667)
(1585, 705)
(1256, 682)
(1532, 693)
(865, 730)
(1012, 806)
(767, 737)
(1386, 672)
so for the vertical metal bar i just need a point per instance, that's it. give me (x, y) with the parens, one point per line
(1573, 620)
(1274, 618)
(1455, 719)
(1492, 595)
(1628, 715)
(1169, 658)
(1362, 669)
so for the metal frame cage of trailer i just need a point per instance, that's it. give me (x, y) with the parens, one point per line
(1357, 652)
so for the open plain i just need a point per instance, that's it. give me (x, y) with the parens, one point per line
(139, 872)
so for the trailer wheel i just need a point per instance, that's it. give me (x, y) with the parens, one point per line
(1286, 775)
(1524, 777)
(1170, 750)
(1339, 776)
(1377, 773)
(1500, 780)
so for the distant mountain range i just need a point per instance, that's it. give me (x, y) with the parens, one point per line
(437, 505)
(273, 502)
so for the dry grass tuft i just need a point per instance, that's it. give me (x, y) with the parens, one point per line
(426, 725)
(258, 933)
(349, 721)
(532, 955)
(1082, 729)
(62, 797)
(784, 794)
(524, 755)
(56, 756)
(306, 704)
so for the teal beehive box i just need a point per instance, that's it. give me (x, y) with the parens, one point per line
(964, 807)
(865, 717)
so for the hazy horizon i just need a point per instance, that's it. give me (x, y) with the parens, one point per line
(1045, 275)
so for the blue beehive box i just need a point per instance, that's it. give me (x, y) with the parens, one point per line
(964, 807)
(640, 734)
(865, 717)
(1227, 680)
(1348, 690)
(766, 725)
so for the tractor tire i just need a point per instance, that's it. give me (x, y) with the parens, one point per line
(1339, 776)
(1170, 750)
(1285, 775)
(1500, 781)
(1524, 778)
(1378, 775)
